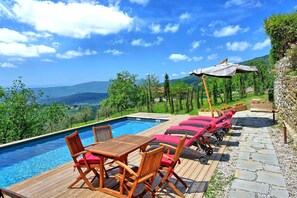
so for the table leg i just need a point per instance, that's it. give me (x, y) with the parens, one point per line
(101, 182)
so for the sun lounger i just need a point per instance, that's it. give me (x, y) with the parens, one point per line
(215, 129)
(203, 141)
(187, 152)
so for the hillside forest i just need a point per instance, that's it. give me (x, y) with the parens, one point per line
(22, 115)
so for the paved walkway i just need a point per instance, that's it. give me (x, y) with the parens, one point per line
(257, 168)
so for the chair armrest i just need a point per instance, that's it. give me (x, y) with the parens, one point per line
(168, 146)
(124, 166)
(93, 144)
(80, 153)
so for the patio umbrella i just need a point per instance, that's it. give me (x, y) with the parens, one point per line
(222, 70)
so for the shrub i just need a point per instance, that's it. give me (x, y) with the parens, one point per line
(282, 30)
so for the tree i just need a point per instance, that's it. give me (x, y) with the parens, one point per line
(166, 87)
(86, 113)
(282, 30)
(54, 114)
(151, 86)
(122, 91)
(22, 112)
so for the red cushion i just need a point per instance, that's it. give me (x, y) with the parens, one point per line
(165, 161)
(91, 159)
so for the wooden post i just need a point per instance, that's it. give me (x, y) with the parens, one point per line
(207, 95)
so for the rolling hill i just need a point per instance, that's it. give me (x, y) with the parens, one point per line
(78, 99)
(62, 91)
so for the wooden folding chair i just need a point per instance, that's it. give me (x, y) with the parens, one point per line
(168, 164)
(87, 161)
(146, 173)
(102, 133)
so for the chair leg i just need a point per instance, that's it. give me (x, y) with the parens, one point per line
(132, 190)
(164, 179)
(77, 180)
(180, 179)
(83, 176)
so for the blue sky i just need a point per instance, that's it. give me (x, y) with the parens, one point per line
(67, 42)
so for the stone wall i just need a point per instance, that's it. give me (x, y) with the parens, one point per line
(285, 95)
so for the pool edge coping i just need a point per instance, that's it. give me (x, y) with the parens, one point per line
(76, 128)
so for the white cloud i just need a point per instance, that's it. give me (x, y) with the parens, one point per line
(78, 20)
(183, 73)
(216, 23)
(33, 36)
(155, 28)
(212, 56)
(184, 16)
(4, 10)
(7, 65)
(295, 7)
(174, 75)
(237, 46)
(72, 54)
(243, 3)
(113, 52)
(119, 41)
(10, 36)
(16, 59)
(56, 44)
(235, 59)
(171, 28)
(261, 45)
(47, 60)
(143, 43)
(197, 58)
(227, 31)
(178, 57)
(140, 2)
(195, 45)
(22, 50)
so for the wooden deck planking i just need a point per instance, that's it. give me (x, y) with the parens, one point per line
(54, 183)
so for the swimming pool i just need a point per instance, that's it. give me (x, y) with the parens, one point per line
(22, 161)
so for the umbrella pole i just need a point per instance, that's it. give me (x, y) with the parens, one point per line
(207, 95)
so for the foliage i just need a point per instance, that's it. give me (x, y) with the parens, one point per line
(86, 113)
(54, 114)
(282, 30)
(21, 116)
(166, 86)
(122, 91)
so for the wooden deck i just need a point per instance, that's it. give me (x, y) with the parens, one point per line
(54, 183)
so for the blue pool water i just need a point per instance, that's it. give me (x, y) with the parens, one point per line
(20, 162)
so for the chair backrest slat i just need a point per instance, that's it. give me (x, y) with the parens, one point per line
(150, 162)
(74, 143)
(102, 133)
(179, 148)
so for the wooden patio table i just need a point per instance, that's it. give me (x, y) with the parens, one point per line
(118, 149)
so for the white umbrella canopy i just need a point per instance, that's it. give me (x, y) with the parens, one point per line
(224, 70)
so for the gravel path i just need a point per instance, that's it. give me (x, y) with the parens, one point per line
(226, 169)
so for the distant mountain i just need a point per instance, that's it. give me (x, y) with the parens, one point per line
(191, 80)
(89, 87)
(78, 99)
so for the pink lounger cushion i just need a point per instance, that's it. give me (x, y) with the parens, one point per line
(171, 139)
(225, 124)
(199, 123)
(225, 116)
(186, 128)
